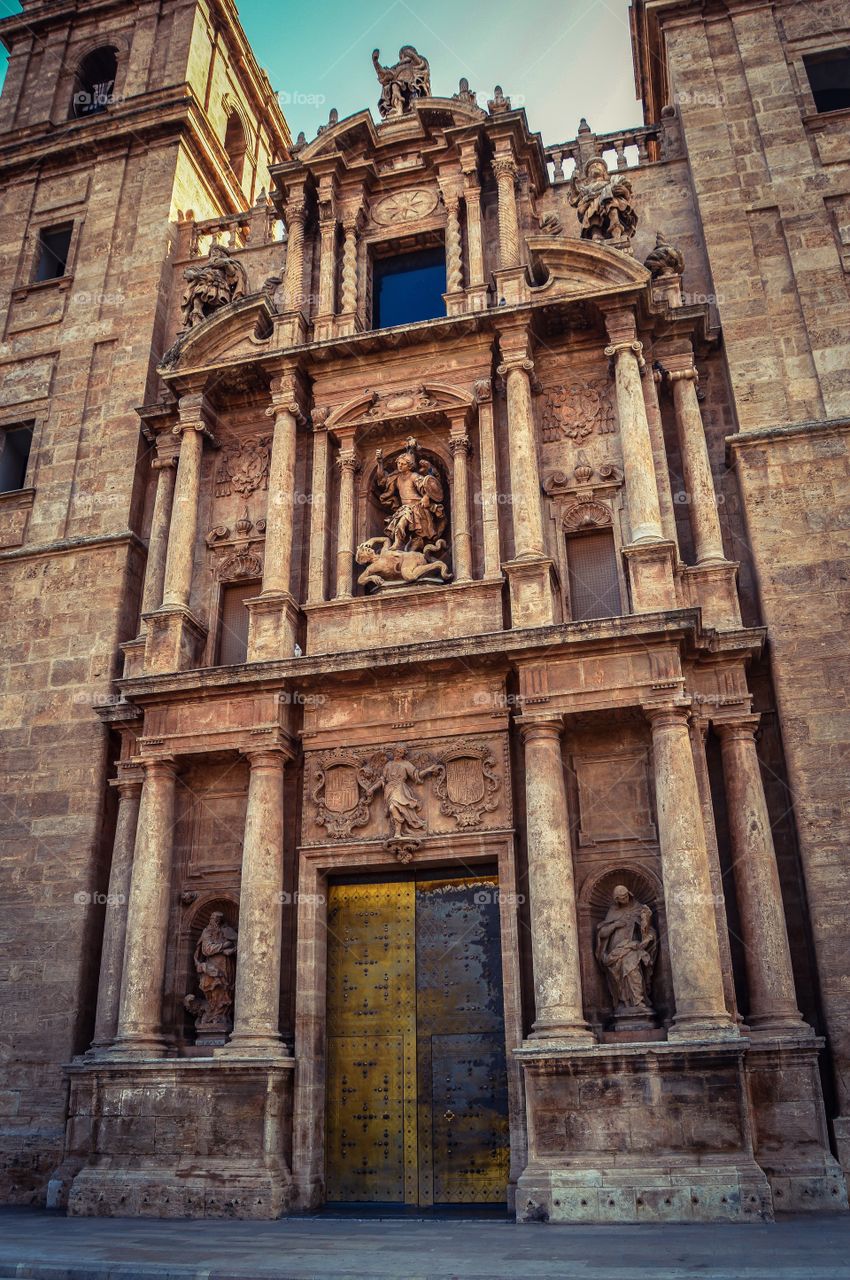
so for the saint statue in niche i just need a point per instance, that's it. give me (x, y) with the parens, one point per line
(215, 965)
(220, 281)
(410, 78)
(626, 947)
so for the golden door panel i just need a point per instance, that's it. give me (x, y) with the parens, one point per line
(417, 1084)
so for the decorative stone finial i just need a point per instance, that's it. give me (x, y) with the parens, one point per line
(498, 102)
(665, 259)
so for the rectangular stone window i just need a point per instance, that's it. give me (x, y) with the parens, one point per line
(15, 445)
(408, 287)
(233, 622)
(594, 582)
(54, 244)
(829, 77)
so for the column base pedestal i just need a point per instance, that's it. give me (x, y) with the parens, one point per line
(177, 1138)
(511, 285)
(256, 1050)
(535, 599)
(651, 576)
(791, 1140)
(134, 657)
(174, 640)
(651, 1132)
(713, 589)
(273, 623)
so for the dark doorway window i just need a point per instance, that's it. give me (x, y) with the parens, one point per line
(233, 622)
(94, 84)
(408, 287)
(235, 144)
(54, 244)
(829, 76)
(15, 443)
(594, 583)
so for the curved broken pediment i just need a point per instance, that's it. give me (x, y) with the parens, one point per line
(371, 406)
(581, 268)
(239, 329)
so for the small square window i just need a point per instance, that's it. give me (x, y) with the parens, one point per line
(15, 444)
(829, 77)
(408, 287)
(54, 244)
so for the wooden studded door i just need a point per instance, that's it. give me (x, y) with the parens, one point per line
(417, 1109)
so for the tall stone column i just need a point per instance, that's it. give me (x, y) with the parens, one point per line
(504, 167)
(699, 482)
(650, 381)
(184, 515)
(454, 255)
(128, 784)
(295, 215)
(638, 462)
(347, 321)
(688, 896)
(140, 1009)
(348, 461)
(165, 466)
(474, 237)
(256, 1031)
(318, 507)
(327, 258)
(274, 613)
(461, 536)
(551, 886)
(526, 508)
(489, 495)
(770, 976)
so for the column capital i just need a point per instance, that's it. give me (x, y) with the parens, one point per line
(504, 166)
(744, 727)
(352, 218)
(319, 415)
(128, 780)
(482, 390)
(512, 362)
(682, 375)
(348, 460)
(533, 729)
(266, 756)
(295, 211)
(285, 395)
(164, 766)
(666, 715)
(616, 349)
(459, 444)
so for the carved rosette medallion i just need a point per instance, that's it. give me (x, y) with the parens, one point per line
(573, 411)
(466, 784)
(405, 206)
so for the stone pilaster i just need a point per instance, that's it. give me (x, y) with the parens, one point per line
(318, 507)
(348, 462)
(328, 226)
(459, 446)
(140, 1010)
(174, 634)
(295, 215)
(489, 494)
(128, 784)
(256, 1031)
(476, 287)
(165, 467)
(274, 613)
(650, 381)
(770, 977)
(551, 885)
(701, 1011)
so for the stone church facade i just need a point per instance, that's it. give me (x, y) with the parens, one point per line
(425, 672)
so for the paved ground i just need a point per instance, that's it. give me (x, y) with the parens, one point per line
(50, 1247)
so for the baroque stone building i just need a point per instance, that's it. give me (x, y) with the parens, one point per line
(425, 667)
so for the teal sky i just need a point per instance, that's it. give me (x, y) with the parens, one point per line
(560, 59)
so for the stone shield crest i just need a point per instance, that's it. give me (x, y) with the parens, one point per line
(464, 779)
(342, 790)
(467, 784)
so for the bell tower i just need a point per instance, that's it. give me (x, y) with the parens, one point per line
(116, 119)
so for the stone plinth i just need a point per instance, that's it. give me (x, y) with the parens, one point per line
(535, 596)
(639, 1133)
(174, 639)
(191, 1138)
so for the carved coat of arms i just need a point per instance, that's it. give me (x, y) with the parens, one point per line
(466, 784)
(244, 466)
(575, 410)
(341, 790)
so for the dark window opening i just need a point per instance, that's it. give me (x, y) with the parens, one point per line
(15, 444)
(54, 244)
(94, 83)
(594, 582)
(233, 622)
(235, 144)
(408, 287)
(829, 77)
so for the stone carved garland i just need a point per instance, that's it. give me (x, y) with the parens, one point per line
(343, 783)
(574, 410)
(244, 466)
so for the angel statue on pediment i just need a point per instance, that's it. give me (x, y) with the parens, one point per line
(410, 78)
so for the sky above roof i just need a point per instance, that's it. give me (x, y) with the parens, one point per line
(560, 59)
